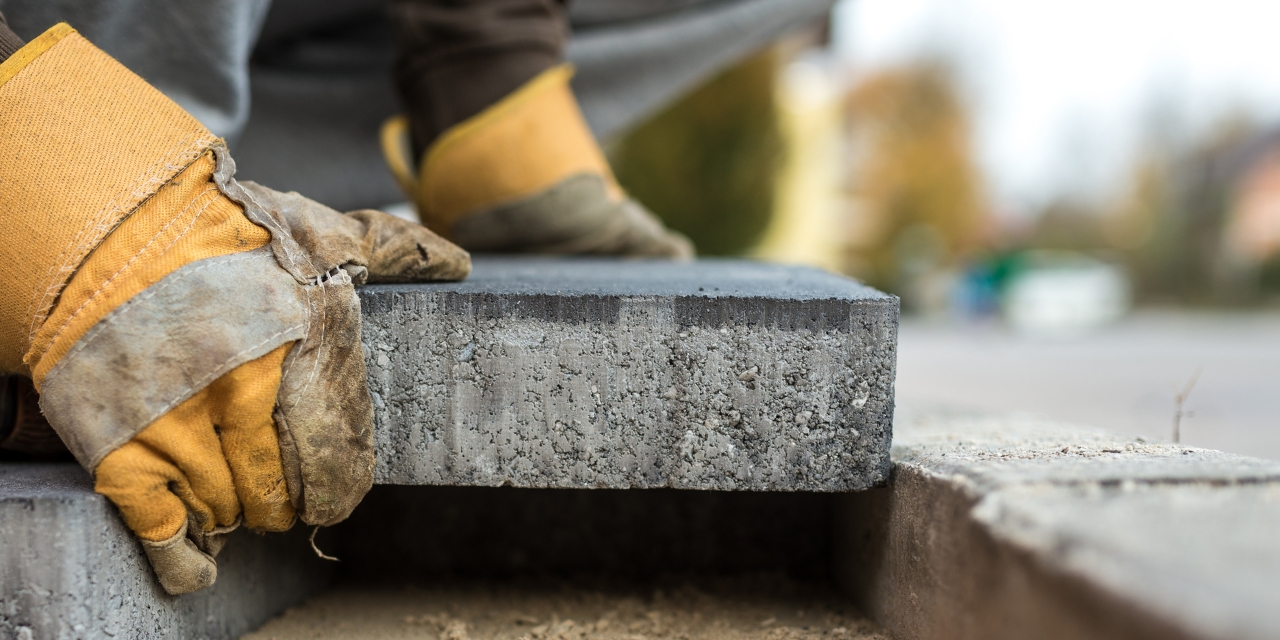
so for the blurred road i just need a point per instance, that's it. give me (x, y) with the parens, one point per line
(1122, 377)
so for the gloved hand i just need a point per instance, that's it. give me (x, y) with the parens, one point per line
(526, 175)
(195, 340)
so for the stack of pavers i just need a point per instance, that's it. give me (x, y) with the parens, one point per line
(539, 373)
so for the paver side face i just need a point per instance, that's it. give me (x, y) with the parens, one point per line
(648, 389)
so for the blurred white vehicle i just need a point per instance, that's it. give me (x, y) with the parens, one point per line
(1062, 293)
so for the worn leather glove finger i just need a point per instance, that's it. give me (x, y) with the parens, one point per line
(373, 246)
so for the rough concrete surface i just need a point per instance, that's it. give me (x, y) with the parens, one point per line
(545, 610)
(1016, 527)
(70, 569)
(726, 375)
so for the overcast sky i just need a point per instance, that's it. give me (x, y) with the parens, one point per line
(1060, 88)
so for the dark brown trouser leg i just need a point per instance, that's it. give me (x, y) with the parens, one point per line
(9, 41)
(458, 56)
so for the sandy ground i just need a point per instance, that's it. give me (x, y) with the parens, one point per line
(547, 611)
(1121, 377)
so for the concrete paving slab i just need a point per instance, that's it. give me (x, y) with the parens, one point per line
(1014, 527)
(70, 569)
(716, 374)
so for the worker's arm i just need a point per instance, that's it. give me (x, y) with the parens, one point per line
(494, 149)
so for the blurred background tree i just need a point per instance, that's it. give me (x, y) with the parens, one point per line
(706, 165)
(1172, 226)
(914, 178)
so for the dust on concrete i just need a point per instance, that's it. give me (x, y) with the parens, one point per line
(547, 611)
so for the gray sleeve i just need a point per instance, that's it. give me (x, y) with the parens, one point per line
(197, 53)
(636, 57)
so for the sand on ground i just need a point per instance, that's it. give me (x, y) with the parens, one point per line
(558, 611)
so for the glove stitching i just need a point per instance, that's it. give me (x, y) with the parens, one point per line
(281, 238)
(66, 323)
(306, 331)
(100, 228)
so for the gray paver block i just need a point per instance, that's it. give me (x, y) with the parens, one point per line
(70, 569)
(716, 374)
(1015, 527)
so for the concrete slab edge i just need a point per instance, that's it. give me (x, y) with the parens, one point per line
(1013, 527)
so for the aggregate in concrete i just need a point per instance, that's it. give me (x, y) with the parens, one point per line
(1014, 527)
(726, 375)
(70, 569)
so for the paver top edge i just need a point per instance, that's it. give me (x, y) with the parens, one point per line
(39, 480)
(615, 278)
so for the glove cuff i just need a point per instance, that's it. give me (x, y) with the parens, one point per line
(83, 142)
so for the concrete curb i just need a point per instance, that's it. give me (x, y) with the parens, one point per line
(70, 569)
(1018, 528)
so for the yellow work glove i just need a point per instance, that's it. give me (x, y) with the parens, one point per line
(526, 175)
(195, 340)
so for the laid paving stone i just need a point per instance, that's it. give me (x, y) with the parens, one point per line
(70, 569)
(715, 374)
(1015, 527)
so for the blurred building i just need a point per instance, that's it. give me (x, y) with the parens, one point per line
(1252, 235)
(1205, 220)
